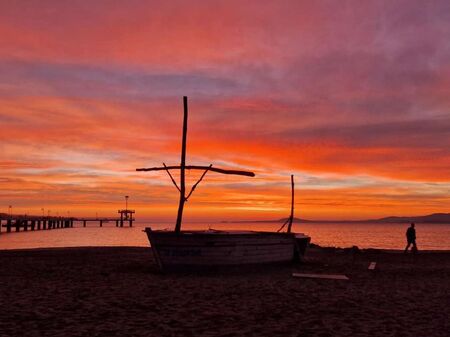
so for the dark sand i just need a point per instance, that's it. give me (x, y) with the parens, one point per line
(117, 292)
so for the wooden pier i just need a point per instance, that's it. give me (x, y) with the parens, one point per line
(18, 223)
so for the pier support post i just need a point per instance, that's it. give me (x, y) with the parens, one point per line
(131, 221)
(8, 225)
(101, 223)
(25, 225)
(17, 225)
(33, 225)
(39, 225)
(44, 224)
(84, 223)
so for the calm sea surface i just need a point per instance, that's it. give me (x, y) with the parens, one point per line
(388, 236)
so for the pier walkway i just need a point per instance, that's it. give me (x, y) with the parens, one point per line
(18, 223)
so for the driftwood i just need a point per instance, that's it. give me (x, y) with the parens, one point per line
(196, 167)
(322, 276)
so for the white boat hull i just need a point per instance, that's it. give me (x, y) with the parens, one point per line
(223, 248)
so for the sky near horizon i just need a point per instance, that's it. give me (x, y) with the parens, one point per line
(351, 97)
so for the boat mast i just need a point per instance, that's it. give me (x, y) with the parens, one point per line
(182, 169)
(291, 218)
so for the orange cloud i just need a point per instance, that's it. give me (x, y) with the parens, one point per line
(356, 108)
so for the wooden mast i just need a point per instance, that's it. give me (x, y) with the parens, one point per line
(291, 218)
(182, 169)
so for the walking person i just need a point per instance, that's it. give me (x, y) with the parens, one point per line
(411, 238)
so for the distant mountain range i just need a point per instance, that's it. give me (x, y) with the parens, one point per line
(443, 218)
(432, 218)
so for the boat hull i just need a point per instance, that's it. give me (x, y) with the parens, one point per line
(223, 248)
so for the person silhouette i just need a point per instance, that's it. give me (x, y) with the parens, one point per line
(411, 238)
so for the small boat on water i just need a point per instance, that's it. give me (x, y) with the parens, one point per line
(186, 249)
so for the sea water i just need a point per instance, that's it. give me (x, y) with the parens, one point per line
(363, 235)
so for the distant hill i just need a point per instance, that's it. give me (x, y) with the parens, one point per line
(298, 220)
(431, 218)
(443, 218)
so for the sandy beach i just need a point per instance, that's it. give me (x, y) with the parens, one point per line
(118, 292)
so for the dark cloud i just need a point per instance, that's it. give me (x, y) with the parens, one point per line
(86, 81)
(425, 133)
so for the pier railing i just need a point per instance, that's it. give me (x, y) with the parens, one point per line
(17, 223)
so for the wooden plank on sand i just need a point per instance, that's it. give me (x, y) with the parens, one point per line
(322, 276)
(372, 265)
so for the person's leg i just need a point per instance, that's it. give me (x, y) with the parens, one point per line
(407, 246)
(414, 247)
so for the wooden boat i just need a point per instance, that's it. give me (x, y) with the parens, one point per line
(177, 249)
(223, 248)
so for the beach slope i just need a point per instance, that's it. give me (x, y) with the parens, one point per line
(118, 292)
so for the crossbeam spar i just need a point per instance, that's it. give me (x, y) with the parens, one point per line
(196, 167)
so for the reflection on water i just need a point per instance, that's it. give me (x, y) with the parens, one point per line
(389, 236)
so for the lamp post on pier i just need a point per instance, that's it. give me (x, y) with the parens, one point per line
(125, 214)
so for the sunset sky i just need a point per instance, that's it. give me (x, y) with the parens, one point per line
(352, 97)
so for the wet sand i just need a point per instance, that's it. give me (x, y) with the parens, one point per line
(117, 292)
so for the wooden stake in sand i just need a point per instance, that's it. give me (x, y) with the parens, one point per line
(291, 217)
(322, 276)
